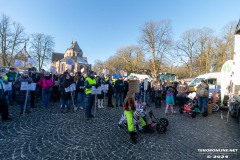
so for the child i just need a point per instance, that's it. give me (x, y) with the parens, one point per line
(170, 99)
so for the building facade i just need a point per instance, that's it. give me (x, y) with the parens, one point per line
(74, 52)
(23, 55)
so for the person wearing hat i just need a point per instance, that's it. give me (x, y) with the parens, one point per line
(35, 77)
(21, 94)
(202, 94)
(119, 85)
(90, 98)
(46, 83)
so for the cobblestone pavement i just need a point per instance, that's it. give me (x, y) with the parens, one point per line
(49, 134)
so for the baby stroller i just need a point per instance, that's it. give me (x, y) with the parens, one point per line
(191, 107)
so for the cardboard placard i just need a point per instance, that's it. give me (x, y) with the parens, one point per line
(134, 86)
(104, 87)
(96, 90)
(71, 88)
(8, 87)
(30, 87)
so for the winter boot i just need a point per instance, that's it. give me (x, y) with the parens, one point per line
(102, 103)
(98, 102)
(205, 114)
(132, 137)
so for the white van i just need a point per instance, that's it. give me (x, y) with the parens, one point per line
(213, 80)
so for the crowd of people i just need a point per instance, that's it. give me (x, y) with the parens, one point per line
(54, 86)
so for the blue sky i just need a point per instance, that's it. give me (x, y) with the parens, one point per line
(102, 26)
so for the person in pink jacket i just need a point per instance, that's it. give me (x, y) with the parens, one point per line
(46, 83)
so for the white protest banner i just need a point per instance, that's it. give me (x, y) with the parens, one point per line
(30, 87)
(71, 88)
(82, 60)
(122, 72)
(18, 63)
(53, 69)
(8, 87)
(70, 61)
(32, 61)
(96, 90)
(104, 87)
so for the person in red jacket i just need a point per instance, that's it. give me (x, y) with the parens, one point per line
(46, 83)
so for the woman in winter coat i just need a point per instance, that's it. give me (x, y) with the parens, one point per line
(21, 94)
(202, 94)
(46, 83)
(65, 95)
(80, 87)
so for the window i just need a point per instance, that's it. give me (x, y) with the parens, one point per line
(212, 81)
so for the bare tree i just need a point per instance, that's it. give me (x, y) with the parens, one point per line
(131, 58)
(12, 36)
(187, 49)
(205, 50)
(156, 41)
(99, 65)
(42, 47)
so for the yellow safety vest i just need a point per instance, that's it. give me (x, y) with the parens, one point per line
(90, 82)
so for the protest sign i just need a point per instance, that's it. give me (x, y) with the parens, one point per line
(96, 90)
(122, 72)
(8, 87)
(32, 61)
(30, 87)
(104, 87)
(134, 86)
(70, 61)
(82, 60)
(53, 69)
(71, 88)
(18, 63)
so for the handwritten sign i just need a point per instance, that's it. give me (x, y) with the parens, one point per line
(25, 86)
(96, 90)
(71, 88)
(18, 63)
(8, 87)
(70, 61)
